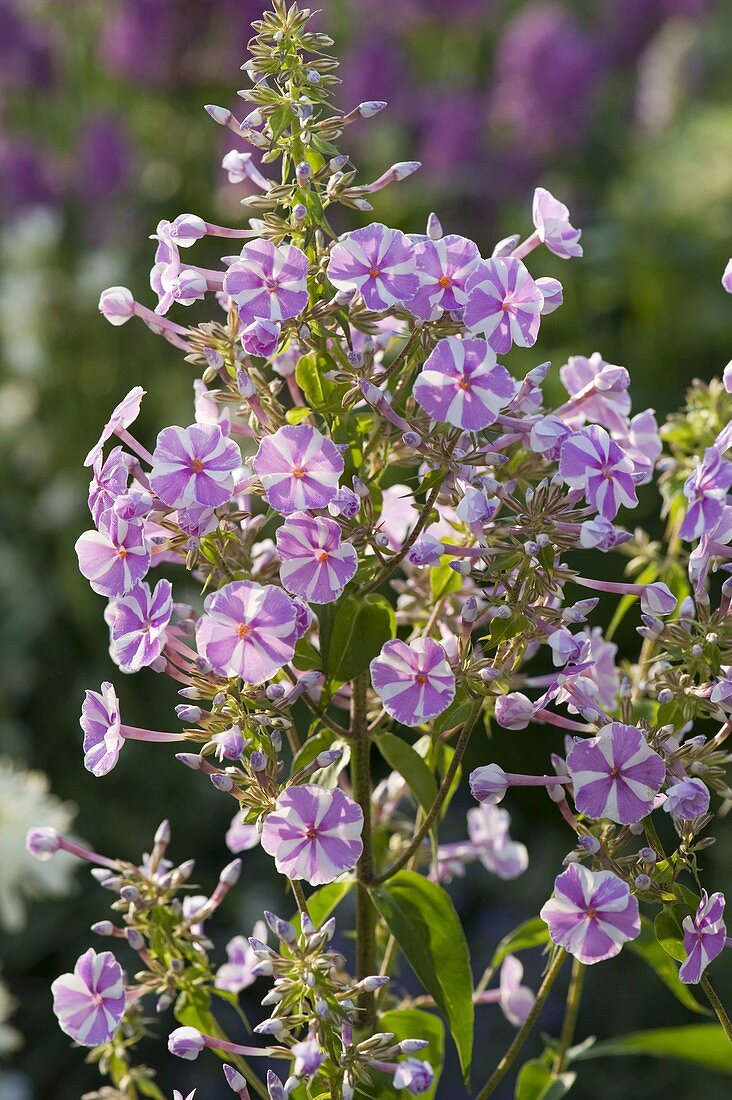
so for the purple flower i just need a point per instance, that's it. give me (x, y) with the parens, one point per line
(488, 784)
(90, 1003)
(194, 466)
(122, 416)
(117, 305)
(616, 774)
(414, 681)
(727, 277)
(551, 221)
(591, 914)
(488, 827)
(687, 800)
(186, 1042)
(514, 711)
(462, 384)
(378, 261)
(299, 468)
(174, 284)
(240, 836)
(517, 1000)
(705, 935)
(590, 460)
(239, 168)
(261, 337)
(504, 303)
(268, 281)
(313, 834)
(238, 972)
(115, 558)
(138, 624)
(599, 390)
(706, 490)
(444, 267)
(308, 1057)
(315, 564)
(414, 1076)
(109, 481)
(101, 723)
(247, 630)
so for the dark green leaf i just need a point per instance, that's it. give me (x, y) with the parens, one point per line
(537, 1082)
(411, 1023)
(669, 931)
(400, 756)
(648, 948)
(361, 627)
(532, 933)
(422, 919)
(703, 1044)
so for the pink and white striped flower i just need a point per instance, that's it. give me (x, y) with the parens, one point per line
(378, 261)
(248, 630)
(238, 972)
(591, 914)
(414, 681)
(120, 419)
(705, 936)
(462, 384)
(443, 267)
(504, 303)
(114, 558)
(100, 720)
(194, 466)
(615, 775)
(299, 468)
(316, 564)
(268, 281)
(138, 622)
(314, 833)
(90, 1003)
(551, 220)
(590, 460)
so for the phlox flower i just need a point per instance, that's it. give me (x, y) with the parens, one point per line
(706, 490)
(615, 774)
(705, 936)
(120, 419)
(414, 681)
(599, 390)
(504, 303)
(268, 281)
(194, 466)
(138, 623)
(378, 261)
(591, 914)
(114, 558)
(109, 482)
(443, 267)
(488, 827)
(247, 630)
(316, 565)
(100, 720)
(590, 460)
(314, 833)
(176, 285)
(413, 1075)
(237, 973)
(90, 1003)
(516, 1000)
(642, 443)
(687, 799)
(551, 221)
(299, 468)
(462, 384)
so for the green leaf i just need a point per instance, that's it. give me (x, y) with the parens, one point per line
(703, 1044)
(669, 931)
(360, 629)
(402, 758)
(456, 713)
(320, 393)
(422, 919)
(502, 629)
(648, 948)
(306, 656)
(537, 1082)
(326, 900)
(298, 414)
(532, 933)
(412, 1023)
(444, 580)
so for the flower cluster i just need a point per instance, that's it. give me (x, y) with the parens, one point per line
(386, 527)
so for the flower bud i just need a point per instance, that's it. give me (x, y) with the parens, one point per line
(222, 782)
(234, 1079)
(434, 227)
(186, 1042)
(488, 784)
(370, 108)
(103, 928)
(42, 842)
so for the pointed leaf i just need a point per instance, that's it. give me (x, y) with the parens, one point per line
(360, 629)
(703, 1044)
(403, 758)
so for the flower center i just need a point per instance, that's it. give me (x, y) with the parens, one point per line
(445, 281)
(421, 679)
(196, 465)
(615, 772)
(243, 630)
(322, 555)
(374, 272)
(298, 472)
(463, 384)
(591, 912)
(272, 285)
(122, 553)
(312, 833)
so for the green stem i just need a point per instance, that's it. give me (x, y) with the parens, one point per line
(395, 561)
(571, 1013)
(717, 1006)
(299, 895)
(361, 781)
(442, 794)
(523, 1033)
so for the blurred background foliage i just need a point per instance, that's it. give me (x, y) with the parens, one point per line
(623, 108)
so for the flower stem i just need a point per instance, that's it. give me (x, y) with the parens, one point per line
(361, 781)
(571, 1013)
(523, 1033)
(442, 794)
(717, 1006)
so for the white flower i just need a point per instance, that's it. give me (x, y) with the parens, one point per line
(25, 801)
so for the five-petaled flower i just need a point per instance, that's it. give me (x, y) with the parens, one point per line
(194, 466)
(114, 558)
(316, 564)
(462, 384)
(591, 913)
(551, 220)
(590, 460)
(268, 281)
(120, 419)
(378, 261)
(90, 1003)
(705, 936)
(137, 625)
(414, 681)
(706, 490)
(238, 972)
(248, 630)
(314, 833)
(443, 267)
(299, 468)
(616, 774)
(101, 723)
(504, 303)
